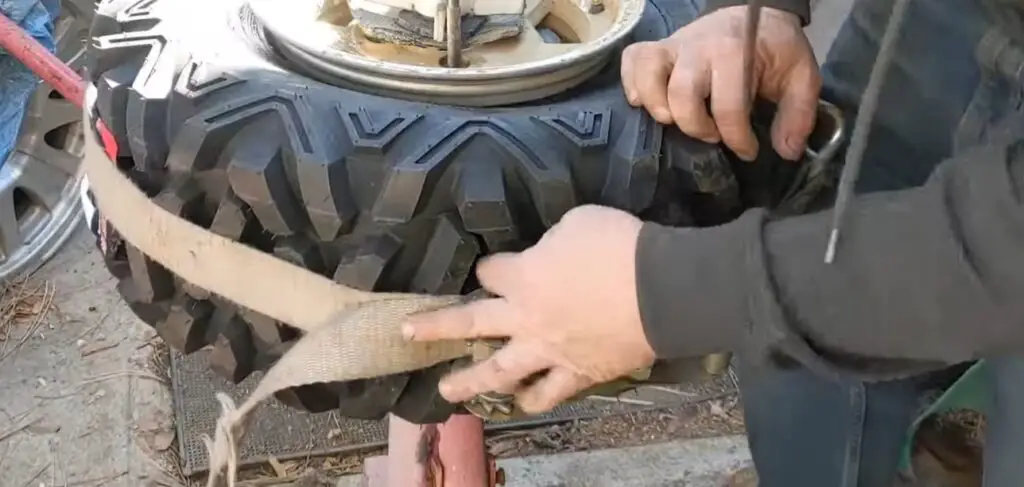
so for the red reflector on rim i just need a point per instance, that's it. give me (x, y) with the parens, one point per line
(108, 139)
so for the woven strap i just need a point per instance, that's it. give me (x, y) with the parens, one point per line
(349, 334)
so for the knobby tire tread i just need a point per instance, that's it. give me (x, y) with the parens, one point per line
(378, 194)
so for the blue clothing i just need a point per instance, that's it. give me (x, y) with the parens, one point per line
(17, 83)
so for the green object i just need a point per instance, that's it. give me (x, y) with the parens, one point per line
(970, 391)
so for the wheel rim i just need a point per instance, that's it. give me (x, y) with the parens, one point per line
(39, 182)
(508, 71)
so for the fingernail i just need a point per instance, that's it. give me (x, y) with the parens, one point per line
(445, 389)
(631, 97)
(408, 332)
(711, 139)
(662, 115)
(748, 156)
(794, 149)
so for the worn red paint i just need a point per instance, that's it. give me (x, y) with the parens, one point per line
(40, 61)
(108, 140)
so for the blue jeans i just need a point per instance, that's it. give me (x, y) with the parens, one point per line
(806, 430)
(17, 83)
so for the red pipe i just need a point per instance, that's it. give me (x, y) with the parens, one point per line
(450, 454)
(462, 452)
(410, 453)
(40, 61)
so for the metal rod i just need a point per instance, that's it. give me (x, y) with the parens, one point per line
(717, 363)
(41, 61)
(454, 23)
(862, 125)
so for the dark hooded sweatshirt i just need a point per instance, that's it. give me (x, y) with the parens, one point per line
(922, 278)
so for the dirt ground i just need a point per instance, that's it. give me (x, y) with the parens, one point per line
(81, 404)
(718, 417)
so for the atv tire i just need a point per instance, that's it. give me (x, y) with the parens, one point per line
(377, 193)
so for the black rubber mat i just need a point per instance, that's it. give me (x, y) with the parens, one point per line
(285, 433)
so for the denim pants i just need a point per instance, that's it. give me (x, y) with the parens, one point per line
(17, 82)
(806, 430)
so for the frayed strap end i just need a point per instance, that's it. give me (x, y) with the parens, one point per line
(223, 449)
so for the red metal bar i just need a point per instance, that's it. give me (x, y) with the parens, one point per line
(410, 448)
(450, 454)
(462, 452)
(43, 63)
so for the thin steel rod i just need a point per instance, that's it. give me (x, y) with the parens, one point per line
(862, 125)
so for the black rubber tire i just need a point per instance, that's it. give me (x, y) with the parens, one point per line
(377, 193)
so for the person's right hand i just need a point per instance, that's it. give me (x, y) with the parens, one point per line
(674, 77)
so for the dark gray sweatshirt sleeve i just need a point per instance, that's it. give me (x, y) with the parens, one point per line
(931, 274)
(802, 8)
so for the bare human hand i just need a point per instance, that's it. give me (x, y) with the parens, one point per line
(673, 79)
(568, 306)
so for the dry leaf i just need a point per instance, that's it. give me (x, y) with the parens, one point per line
(279, 469)
(716, 409)
(162, 440)
(148, 424)
(43, 428)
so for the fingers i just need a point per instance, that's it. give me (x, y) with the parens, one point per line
(500, 373)
(550, 390)
(499, 273)
(487, 318)
(651, 65)
(688, 90)
(795, 118)
(729, 108)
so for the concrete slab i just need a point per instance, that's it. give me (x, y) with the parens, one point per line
(81, 403)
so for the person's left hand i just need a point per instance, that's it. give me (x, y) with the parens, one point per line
(568, 306)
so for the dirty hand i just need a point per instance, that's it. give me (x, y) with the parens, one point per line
(568, 306)
(674, 77)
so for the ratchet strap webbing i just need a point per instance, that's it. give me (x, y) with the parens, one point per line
(348, 334)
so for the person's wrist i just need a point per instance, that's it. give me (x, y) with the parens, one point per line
(691, 287)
